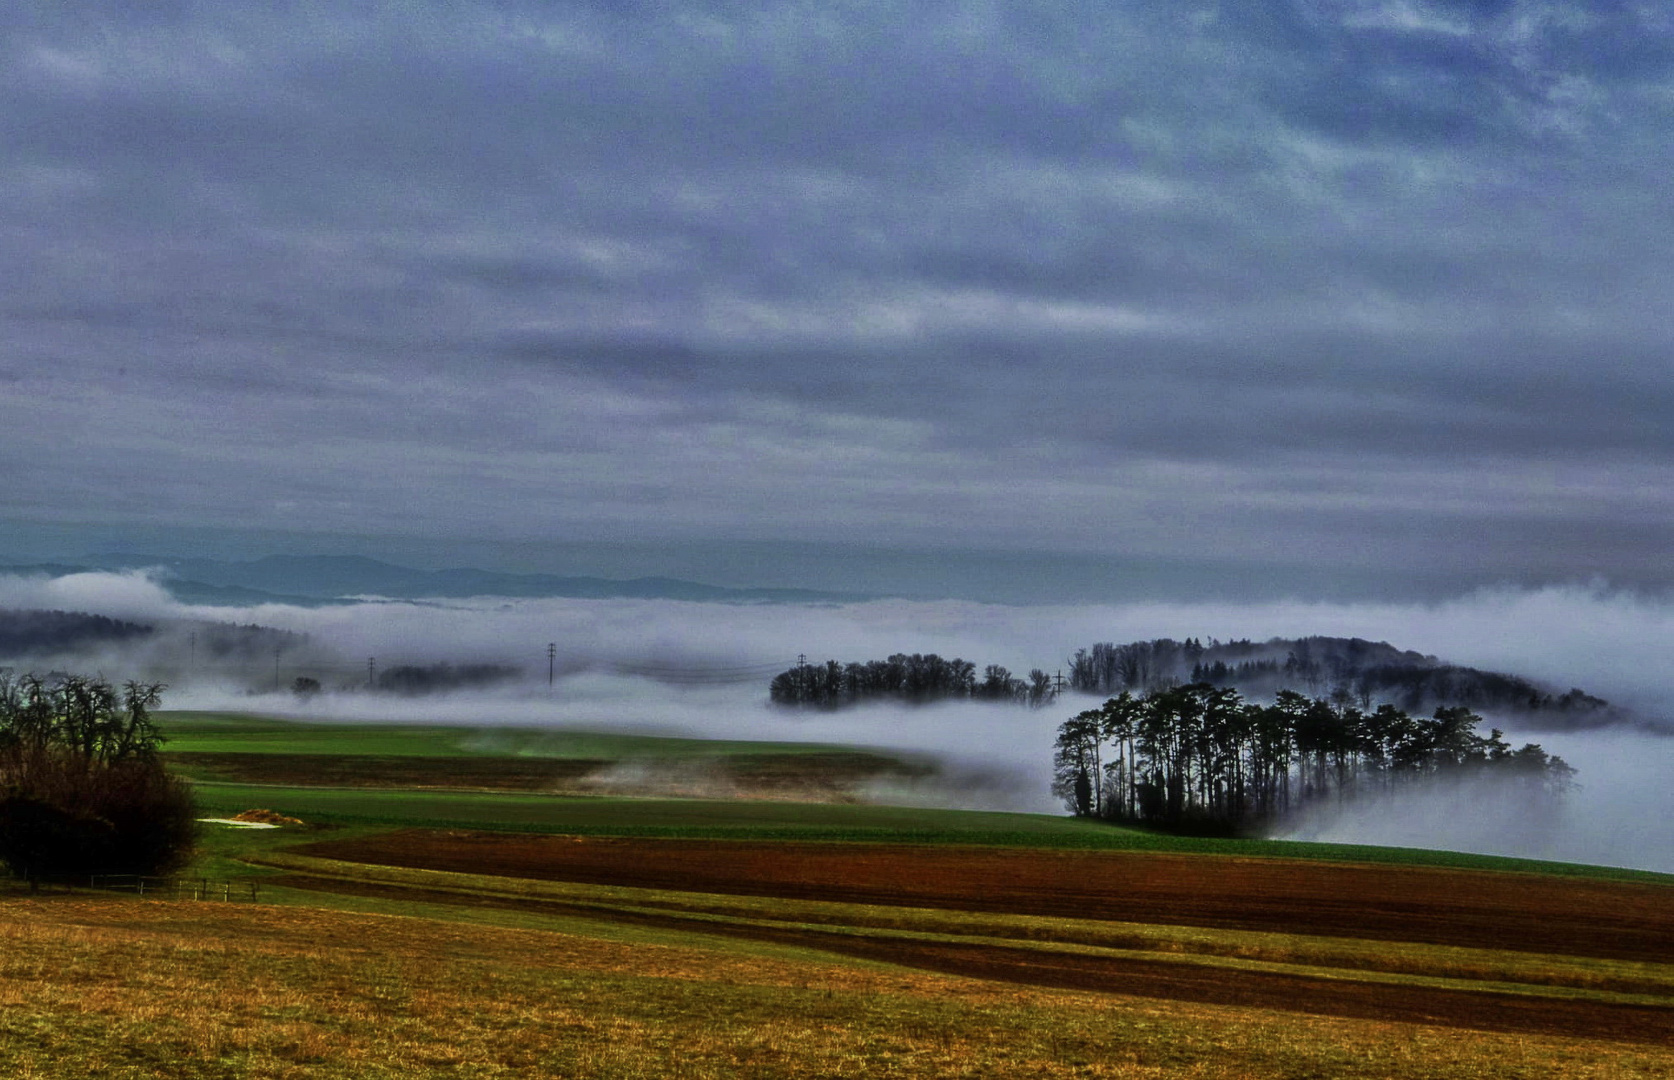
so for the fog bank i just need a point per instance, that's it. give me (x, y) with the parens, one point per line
(1620, 814)
(702, 669)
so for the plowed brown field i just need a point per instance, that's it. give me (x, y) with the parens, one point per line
(1524, 912)
(1519, 912)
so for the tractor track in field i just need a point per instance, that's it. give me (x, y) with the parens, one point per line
(1480, 909)
(1472, 908)
(1383, 1002)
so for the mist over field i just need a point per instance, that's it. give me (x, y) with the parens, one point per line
(1618, 815)
(674, 667)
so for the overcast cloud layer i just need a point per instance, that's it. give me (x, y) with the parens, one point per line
(1356, 284)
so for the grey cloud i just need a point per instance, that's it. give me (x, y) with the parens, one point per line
(1007, 276)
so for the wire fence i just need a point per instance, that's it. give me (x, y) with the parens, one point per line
(178, 888)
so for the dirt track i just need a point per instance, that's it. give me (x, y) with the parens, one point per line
(1525, 912)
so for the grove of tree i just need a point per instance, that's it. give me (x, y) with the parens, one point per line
(1348, 670)
(416, 679)
(45, 633)
(1199, 757)
(82, 788)
(918, 678)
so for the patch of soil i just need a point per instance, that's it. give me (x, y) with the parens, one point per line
(367, 770)
(820, 777)
(267, 817)
(827, 776)
(1482, 909)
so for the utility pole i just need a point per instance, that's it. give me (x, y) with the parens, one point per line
(551, 663)
(193, 638)
(276, 669)
(371, 672)
(1058, 683)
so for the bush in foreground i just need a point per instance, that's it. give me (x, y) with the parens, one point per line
(82, 789)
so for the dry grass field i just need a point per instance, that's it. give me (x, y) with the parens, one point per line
(116, 987)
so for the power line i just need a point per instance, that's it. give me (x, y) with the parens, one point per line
(691, 676)
(647, 667)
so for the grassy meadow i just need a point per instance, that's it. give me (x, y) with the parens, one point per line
(354, 968)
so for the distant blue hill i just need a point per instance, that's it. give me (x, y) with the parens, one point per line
(317, 579)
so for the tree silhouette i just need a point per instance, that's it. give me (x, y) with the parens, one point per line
(82, 790)
(915, 678)
(1200, 757)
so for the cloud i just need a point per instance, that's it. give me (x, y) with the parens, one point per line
(1616, 816)
(1183, 281)
(1606, 641)
(131, 595)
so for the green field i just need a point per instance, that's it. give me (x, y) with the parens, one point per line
(735, 818)
(242, 733)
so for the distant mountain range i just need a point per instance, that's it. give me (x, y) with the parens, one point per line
(312, 580)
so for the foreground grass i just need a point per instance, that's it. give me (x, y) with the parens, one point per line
(122, 988)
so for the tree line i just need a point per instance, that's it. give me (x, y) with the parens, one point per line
(417, 679)
(916, 678)
(42, 633)
(1200, 757)
(82, 788)
(1348, 670)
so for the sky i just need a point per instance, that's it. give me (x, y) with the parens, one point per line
(1373, 290)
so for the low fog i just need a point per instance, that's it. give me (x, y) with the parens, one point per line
(1620, 814)
(673, 667)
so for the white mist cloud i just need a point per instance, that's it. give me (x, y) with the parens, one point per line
(1621, 813)
(131, 594)
(1610, 643)
(991, 757)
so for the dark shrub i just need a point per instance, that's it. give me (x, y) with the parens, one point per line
(64, 819)
(82, 790)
